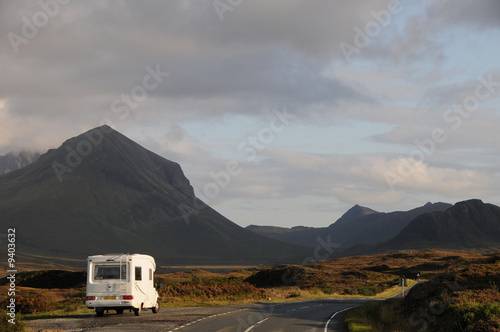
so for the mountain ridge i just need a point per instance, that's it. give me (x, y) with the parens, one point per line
(101, 192)
(359, 225)
(467, 224)
(382, 226)
(354, 213)
(15, 160)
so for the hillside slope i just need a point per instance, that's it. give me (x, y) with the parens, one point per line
(470, 224)
(101, 192)
(378, 227)
(359, 225)
(308, 236)
(16, 160)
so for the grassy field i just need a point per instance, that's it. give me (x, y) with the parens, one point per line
(58, 293)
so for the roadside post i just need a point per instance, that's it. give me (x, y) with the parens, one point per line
(402, 283)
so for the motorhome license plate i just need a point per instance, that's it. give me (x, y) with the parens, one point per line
(109, 297)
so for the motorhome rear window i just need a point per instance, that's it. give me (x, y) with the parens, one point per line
(104, 272)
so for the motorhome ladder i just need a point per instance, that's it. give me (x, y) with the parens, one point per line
(123, 276)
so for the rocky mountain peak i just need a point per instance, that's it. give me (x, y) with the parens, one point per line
(356, 212)
(15, 160)
(102, 192)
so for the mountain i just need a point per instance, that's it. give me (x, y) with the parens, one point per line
(308, 236)
(100, 192)
(354, 213)
(299, 235)
(469, 224)
(378, 227)
(359, 225)
(16, 160)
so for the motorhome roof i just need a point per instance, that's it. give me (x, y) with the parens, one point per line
(115, 257)
(118, 255)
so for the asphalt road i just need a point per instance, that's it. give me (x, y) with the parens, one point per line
(304, 316)
(313, 315)
(321, 315)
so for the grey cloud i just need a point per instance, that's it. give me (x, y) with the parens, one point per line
(91, 53)
(485, 86)
(409, 50)
(419, 40)
(271, 76)
(263, 53)
(419, 48)
(478, 14)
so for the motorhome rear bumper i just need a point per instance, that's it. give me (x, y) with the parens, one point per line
(111, 304)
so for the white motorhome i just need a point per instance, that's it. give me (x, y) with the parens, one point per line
(121, 281)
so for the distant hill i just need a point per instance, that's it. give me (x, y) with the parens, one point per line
(377, 227)
(300, 235)
(470, 224)
(15, 160)
(359, 225)
(100, 192)
(308, 236)
(354, 213)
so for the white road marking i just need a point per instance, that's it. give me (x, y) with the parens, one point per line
(196, 321)
(254, 325)
(326, 326)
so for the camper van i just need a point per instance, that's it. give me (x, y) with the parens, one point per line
(121, 281)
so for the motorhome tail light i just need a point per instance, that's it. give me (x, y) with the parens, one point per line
(90, 298)
(128, 297)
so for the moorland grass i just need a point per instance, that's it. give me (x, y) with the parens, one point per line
(464, 298)
(366, 276)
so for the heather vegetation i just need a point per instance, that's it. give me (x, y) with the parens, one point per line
(463, 298)
(463, 285)
(205, 289)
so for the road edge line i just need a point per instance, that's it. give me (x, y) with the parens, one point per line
(331, 317)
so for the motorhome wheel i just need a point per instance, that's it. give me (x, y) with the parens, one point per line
(137, 311)
(156, 308)
(99, 312)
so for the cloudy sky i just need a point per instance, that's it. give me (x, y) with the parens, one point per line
(279, 112)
